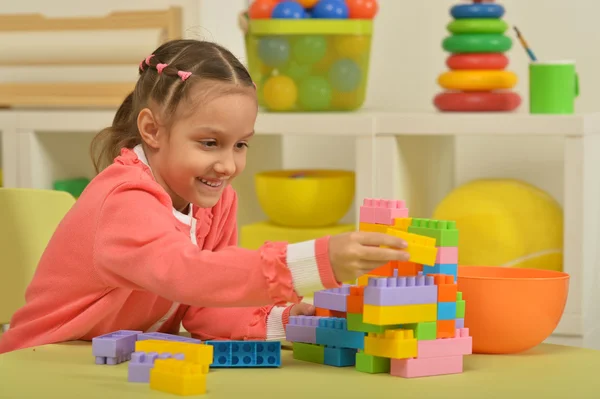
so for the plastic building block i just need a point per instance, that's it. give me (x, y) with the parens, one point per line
(194, 353)
(167, 337)
(302, 329)
(372, 364)
(355, 323)
(178, 377)
(355, 301)
(446, 328)
(423, 331)
(401, 314)
(141, 363)
(413, 368)
(402, 223)
(329, 313)
(334, 332)
(446, 311)
(309, 352)
(407, 269)
(388, 291)
(393, 344)
(444, 268)
(460, 345)
(447, 289)
(386, 270)
(246, 354)
(421, 249)
(115, 347)
(332, 299)
(460, 306)
(372, 227)
(444, 232)
(382, 211)
(364, 279)
(339, 357)
(460, 323)
(447, 255)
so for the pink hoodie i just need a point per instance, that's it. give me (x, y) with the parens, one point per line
(123, 258)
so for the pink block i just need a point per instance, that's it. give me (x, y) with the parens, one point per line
(460, 345)
(367, 210)
(413, 368)
(447, 255)
(382, 211)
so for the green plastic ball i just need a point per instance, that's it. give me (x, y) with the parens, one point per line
(274, 51)
(345, 75)
(315, 94)
(296, 71)
(308, 50)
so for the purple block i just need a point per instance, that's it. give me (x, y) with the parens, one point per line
(332, 299)
(167, 337)
(302, 329)
(460, 323)
(114, 348)
(142, 362)
(390, 291)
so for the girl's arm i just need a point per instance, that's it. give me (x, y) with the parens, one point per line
(137, 246)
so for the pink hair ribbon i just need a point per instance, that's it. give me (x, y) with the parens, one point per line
(184, 75)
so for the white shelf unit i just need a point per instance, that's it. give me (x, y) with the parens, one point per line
(413, 156)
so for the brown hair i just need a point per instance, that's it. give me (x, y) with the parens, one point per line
(165, 86)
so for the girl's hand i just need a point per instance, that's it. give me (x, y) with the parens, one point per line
(357, 253)
(302, 309)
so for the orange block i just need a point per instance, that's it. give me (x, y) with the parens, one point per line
(356, 300)
(386, 270)
(408, 269)
(446, 328)
(329, 313)
(447, 289)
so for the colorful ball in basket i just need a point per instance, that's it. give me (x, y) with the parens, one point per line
(505, 222)
(318, 9)
(330, 9)
(305, 198)
(288, 10)
(326, 60)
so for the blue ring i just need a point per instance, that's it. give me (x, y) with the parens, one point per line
(477, 10)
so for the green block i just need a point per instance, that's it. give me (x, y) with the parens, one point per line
(355, 323)
(372, 364)
(444, 231)
(309, 352)
(426, 331)
(460, 306)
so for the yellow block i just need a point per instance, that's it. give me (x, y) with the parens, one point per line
(477, 80)
(364, 279)
(178, 377)
(200, 354)
(399, 314)
(373, 227)
(402, 223)
(393, 344)
(421, 249)
(253, 236)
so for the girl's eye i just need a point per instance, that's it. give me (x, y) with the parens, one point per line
(208, 143)
(242, 145)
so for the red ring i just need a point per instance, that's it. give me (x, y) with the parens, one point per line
(477, 61)
(477, 101)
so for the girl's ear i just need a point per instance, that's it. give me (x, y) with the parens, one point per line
(148, 128)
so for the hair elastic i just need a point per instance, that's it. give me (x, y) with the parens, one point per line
(160, 67)
(184, 75)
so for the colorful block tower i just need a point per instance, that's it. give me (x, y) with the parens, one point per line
(402, 319)
(478, 79)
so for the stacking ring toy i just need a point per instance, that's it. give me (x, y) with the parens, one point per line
(477, 101)
(477, 10)
(477, 61)
(477, 43)
(477, 25)
(477, 80)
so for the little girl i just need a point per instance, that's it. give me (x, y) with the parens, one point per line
(151, 243)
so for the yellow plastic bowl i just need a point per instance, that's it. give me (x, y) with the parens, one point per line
(305, 198)
(309, 65)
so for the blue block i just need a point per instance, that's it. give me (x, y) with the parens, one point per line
(340, 357)
(333, 331)
(442, 268)
(239, 354)
(446, 310)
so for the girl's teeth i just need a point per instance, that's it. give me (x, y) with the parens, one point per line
(210, 183)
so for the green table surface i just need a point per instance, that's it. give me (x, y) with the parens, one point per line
(547, 371)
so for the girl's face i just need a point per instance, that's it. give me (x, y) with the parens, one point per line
(205, 147)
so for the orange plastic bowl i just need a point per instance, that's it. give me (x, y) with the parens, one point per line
(510, 310)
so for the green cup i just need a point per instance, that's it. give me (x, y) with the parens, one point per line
(553, 87)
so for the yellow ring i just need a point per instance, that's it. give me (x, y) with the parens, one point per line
(477, 80)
